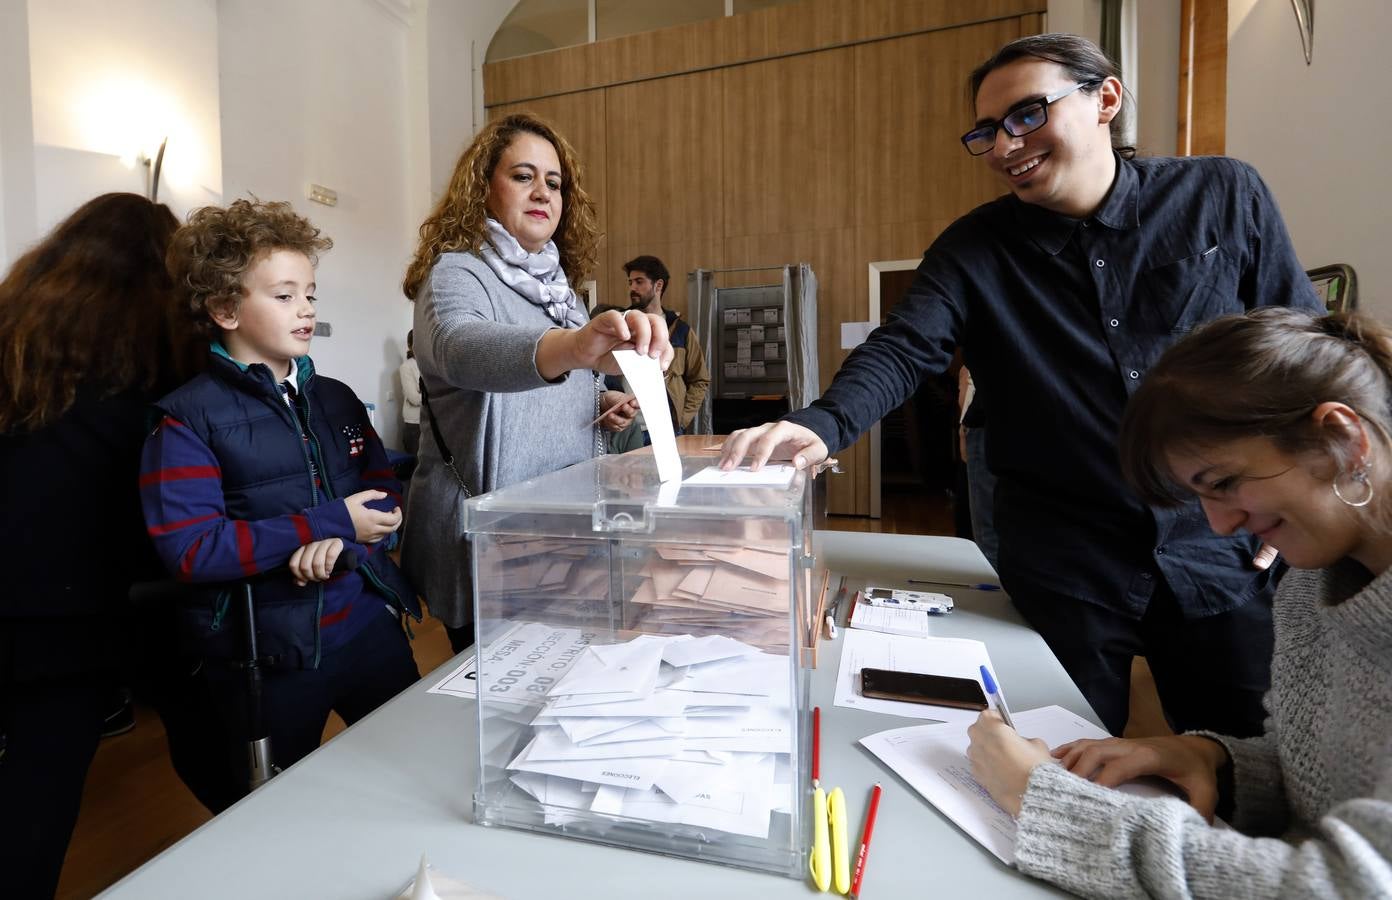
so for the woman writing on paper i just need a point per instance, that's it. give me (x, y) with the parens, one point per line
(1281, 424)
(505, 349)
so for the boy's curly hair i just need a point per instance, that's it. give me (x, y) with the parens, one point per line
(209, 256)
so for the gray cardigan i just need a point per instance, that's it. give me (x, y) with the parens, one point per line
(1314, 793)
(476, 345)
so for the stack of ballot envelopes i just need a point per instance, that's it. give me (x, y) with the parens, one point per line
(678, 729)
(674, 588)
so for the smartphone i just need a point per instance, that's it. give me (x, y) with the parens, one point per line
(913, 687)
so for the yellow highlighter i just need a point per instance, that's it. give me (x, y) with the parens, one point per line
(820, 863)
(840, 850)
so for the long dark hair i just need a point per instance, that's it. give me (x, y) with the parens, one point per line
(1256, 375)
(1082, 59)
(91, 305)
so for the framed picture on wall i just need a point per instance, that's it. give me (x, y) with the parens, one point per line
(1336, 285)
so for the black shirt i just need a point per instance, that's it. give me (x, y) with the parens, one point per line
(1059, 319)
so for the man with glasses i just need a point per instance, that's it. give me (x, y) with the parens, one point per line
(1061, 294)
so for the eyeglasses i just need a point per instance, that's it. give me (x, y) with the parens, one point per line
(1019, 122)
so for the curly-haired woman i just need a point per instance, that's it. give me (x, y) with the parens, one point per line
(88, 337)
(506, 352)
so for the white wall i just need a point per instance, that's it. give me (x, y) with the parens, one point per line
(1075, 17)
(315, 91)
(17, 220)
(1319, 134)
(457, 36)
(1155, 76)
(110, 80)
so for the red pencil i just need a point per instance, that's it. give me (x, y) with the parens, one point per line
(816, 745)
(865, 833)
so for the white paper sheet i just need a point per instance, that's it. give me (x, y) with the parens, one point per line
(635, 757)
(933, 760)
(705, 649)
(754, 675)
(462, 682)
(888, 620)
(551, 744)
(635, 773)
(630, 668)
(954, 657)
(541, 652)
(644, 375)
(769, 476)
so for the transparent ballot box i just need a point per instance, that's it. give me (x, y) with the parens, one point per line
(640, 667)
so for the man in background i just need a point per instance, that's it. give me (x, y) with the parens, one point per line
(688, 378)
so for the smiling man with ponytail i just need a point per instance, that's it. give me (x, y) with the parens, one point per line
(1062, 294)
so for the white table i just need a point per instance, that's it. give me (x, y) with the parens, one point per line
(352, 819)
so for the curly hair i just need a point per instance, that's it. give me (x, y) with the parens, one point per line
(456, 223)
(210, 255)
(92, 306)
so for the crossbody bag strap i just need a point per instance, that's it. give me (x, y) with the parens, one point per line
(445, 453)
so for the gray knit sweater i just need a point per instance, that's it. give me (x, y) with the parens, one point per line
(1313, 795)
(476, 345)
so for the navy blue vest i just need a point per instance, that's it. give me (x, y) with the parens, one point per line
(240, 414)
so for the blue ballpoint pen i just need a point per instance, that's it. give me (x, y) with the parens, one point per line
(990, 684)
(961, 584)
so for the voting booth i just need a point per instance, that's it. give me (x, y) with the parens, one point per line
(640, 674)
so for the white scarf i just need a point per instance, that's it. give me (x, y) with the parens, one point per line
(536, 276)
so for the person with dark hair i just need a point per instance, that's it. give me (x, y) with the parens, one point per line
(1281, 425)
(1062, 294)
(265, 485)
(688, 378)
(507, 353)
(90, 334)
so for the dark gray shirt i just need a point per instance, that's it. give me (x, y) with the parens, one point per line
(1059, 319)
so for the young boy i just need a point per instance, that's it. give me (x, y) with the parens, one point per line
(266, 478)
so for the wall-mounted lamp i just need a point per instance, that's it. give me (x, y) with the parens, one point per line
(152, 171)
(1305, 18)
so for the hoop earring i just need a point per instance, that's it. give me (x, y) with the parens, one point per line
(1359, 477)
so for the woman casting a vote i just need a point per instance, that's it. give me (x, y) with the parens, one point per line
(1281, 424)
(506, 350)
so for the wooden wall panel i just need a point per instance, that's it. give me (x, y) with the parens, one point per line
(1203, 78)
(910, 163)
(542, 74)
(788, 159)
(664, 143)
(579, 118)
(778, 31)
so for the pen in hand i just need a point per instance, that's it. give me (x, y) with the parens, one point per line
(997, 701)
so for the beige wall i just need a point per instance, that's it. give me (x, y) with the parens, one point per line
(1319, 134)
(840, 150)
